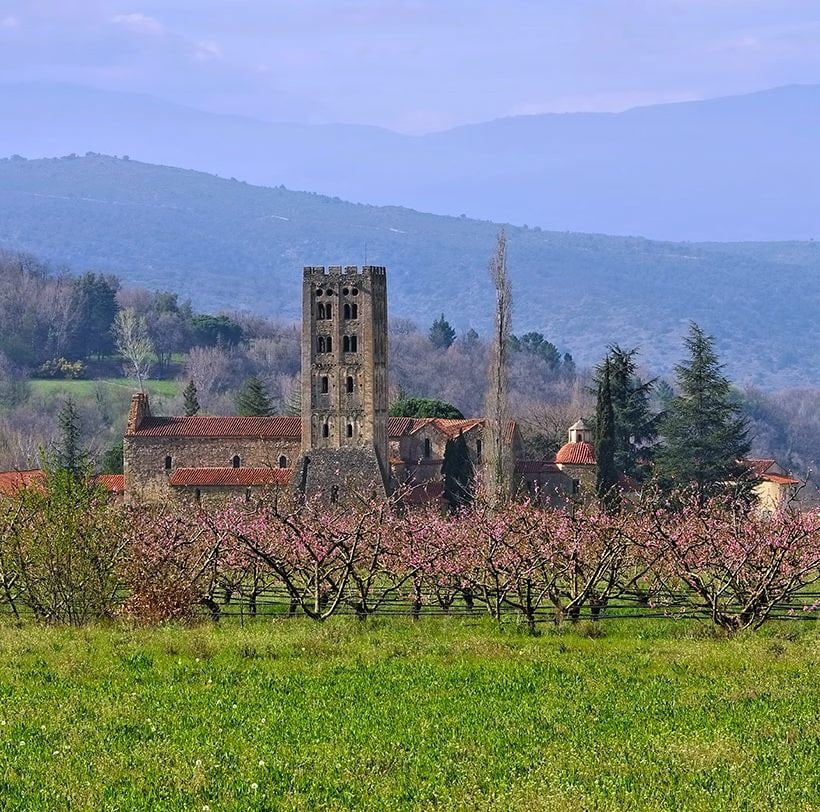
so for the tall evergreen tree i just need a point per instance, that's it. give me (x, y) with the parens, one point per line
(442, 334)
(253, 399)
(191, 400)
(457, 470)
(704, 432)
(636, 427)
(70, 456)
(607, 474)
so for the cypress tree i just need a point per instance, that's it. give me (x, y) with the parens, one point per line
(253, 399)
(607, 474)
(705, 435)
(458, 473)
(191, 400)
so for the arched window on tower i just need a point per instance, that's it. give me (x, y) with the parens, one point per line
(354, 341)
(168, 463)
(349, 429)
(236, 461)
(354, 311)
(328, 311)
(320, 311)
(320, 344)
(323, 385)
(347, 311)
(325, 430)
(428, 448)
(283, 461)
(349, 384)
(346, 344)
(329, 344)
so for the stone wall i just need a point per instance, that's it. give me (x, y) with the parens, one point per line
(144, 458)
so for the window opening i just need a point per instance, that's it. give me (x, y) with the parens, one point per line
(428, 449)
(283, 461)
(235, 462)
(349, 429)
(168, 463)
(325, 430)
(349, 384)
(324, 384)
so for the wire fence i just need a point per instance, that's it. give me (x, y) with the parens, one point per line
(275, 601)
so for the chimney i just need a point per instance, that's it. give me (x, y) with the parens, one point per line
(140, 410)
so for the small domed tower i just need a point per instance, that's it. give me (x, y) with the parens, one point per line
(576, 458)
(580, 432)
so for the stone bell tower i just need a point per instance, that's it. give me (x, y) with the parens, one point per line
(344, 383)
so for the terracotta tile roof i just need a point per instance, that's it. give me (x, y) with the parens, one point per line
(289, 428)
(759, 467)
(12, 482)
(779, 479)
(452, 428)
(227, 477)
(113, 483)
(399, 426)
(576, 454)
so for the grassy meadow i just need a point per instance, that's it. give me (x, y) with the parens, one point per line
(391, 714)
(86, 388)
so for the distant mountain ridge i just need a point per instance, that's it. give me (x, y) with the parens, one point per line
(734, 168)
(230, 245)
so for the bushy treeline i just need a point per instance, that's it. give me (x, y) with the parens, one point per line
(55, 324)
(68, 556)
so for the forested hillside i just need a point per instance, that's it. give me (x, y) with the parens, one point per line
(230, 245)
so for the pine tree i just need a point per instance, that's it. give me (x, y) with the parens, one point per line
(458, 473)
(253, 399)
(607, 474)
(442, 334)
(705, 435)
(191, 399)
(636, 427)
(69, 455)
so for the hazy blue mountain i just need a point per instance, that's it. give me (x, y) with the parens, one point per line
(227, 244)
(735, 168)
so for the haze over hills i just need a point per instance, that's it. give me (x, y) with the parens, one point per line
(734, 168)
(230, 245)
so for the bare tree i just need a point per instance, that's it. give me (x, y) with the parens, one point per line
(497, 417)
(133, 343)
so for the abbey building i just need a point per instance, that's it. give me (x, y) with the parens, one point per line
(343, 442)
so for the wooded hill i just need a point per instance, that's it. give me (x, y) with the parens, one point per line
(229, 245)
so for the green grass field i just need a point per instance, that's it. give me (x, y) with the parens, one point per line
(83, 389)
(388, 714)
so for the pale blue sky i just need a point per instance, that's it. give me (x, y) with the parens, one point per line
(413, 65)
